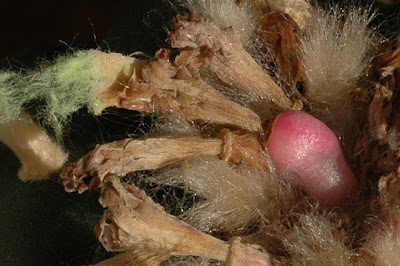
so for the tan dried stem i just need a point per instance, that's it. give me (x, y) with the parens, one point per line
(40, 156)
(115, 71)
(242, 147)
(240, 254)
(227, 58)
(129, 155)
(133, 221)
(175, 87)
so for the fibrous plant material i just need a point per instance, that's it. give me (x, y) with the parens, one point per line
(337, 49)
(40, 156)
(233, 200)
(54, 85)
(168, 86)
(382, 245)
(238, 190)
(228, 60)
(124, 156)
(213, 147)
(65, 85)
(378, 153)
(279, 42)
(318, 239)
(129, 155)
(135, 258)
(348, 37)
(226, 13)
(377, 150)
(133, 221)
(10, 100)
(240, 147)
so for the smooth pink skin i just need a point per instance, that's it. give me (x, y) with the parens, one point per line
(309, 156)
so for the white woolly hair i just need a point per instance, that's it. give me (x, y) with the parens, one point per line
(172, 125)
(317, 240)
(383, 244)
(226, 13)
(336, 51)
(231, 199)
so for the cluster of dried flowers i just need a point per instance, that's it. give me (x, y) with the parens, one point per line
(230, 69)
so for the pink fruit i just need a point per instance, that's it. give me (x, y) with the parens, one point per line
(309, 156)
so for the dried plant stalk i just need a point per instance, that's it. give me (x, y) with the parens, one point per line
(134, 222)
(242, 147)
(228, 59)
(159, 85)
(128, 155)
(246, 254)
(40, 156)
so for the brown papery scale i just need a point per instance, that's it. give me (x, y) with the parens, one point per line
(277, 32)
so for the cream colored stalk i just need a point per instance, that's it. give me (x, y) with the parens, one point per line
(40, 156)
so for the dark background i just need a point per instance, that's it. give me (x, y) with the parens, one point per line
(40, 224)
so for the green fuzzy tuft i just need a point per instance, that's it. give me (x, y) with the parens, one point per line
(65, 86)
(11, 100)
